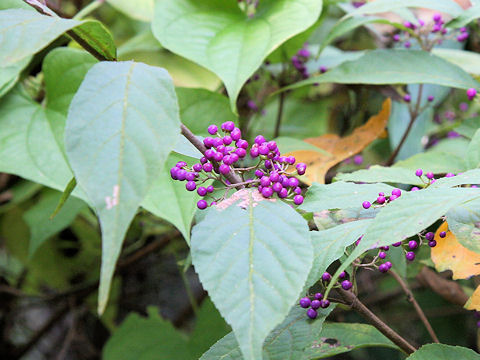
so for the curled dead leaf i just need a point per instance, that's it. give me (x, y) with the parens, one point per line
(341, 148)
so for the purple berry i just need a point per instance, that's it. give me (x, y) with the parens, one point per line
(190, 176)
(429, 236)
(202, 191)
(429, 175)
(366, 204)
(227, 140)
(263, 150)
(224, 169)
(283, 193)
(210, 153)
(305, 302)
(432, 243)
(190, 185)
(301, 168)
(358, 159)
(397, 244)
(407, 98)
(471, 93)
(324, 303)
(203, 160)
(442, 234)
(383, 268)
(410, 256)
(297, 191)
(210, 188)
(267, 192)
(272, 145)
(242, 144)
(448, 175)
(318, 296)
(412, 244)
(254, 152)
(274, 176)
(236, 134)
(397, 192)
(181, 174)
(385, 248)
(342, 275)
(265, 181)
(381, 200)
(181, 164)
(407, 45)
(382, 255)
(415, 188)
(290, 160)
(315, 304)
(277, 187)
(293, 182)
(346, 285)
(228, 126)
(298, 199)
(430, 98)
(212, 129)
(241, 153)
(396, 37)
(197, 167)
(217, 142)
(326, 276)
(389, 265)
(207, 167)
(173, 173)
(311, 313)
(393, 197)
(202, 204)
(437, 17)
(259, 140)
(419, 172)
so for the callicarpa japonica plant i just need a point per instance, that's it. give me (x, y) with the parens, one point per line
(239, 179)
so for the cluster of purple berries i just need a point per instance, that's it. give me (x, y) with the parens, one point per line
(430, 33)
(224, 151)
(318, 301)
(299, 62)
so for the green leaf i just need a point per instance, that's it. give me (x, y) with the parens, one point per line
(9, 75)
(146, 339)
(395, 67)
(465, 17)
(182, 204)
(96, 36)
(468, 127)
(407, 216)
(65, 195)
(341, 195)
(379, 173)
(464, 221)
(218, 35)
(288, 341)
(435, 161)
(138, 9)
(25, 32)
(345, 337)
(329, 245)
(443, 352)
(467, 60)
(447, 6)
(473, 152)
(197, 107)
(38, 218)
(122, 123)
(266, 252)
(468, 177)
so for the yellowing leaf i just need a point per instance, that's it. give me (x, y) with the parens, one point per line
(449, 254)
(474, 302)
(341, 148)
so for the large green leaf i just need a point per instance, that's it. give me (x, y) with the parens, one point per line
(146, 339)
(170, 200)
(138, 9)
(288, 341)
(38, 218)
(25, 32)
(467, 60)
(443, 352)
(407, 216)
(9, 75)
(468, 177)
(122, 123)
(395, 67)
(466, 16)
(339, 338)
(379, 173)
(464, 221)
(435, 161)
(265, 252)
(380, 6)
(329, 245)
(218, 35)
(341, 195)
(468, 127)
(473, 152)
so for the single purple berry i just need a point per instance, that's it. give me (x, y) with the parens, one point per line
(277, 187)
(254, 152)
(274, 176)
(191, 176)
(393, 197)
(190, 185)
(471, 93)
(272, 145)
(397, 192)
(437, 17)
(291, 160)
(415, 188)
(383, 268)
(263, 150)
(397, 244)
(210, 153)
(412, 244)
(389, 265)
(197, 167)
(311, 313)
(301, 168)
(283, 193)
(227, 140)
(212, 129)
(326, 276)
(242, 144)
(442, 234)
(318, 296)
(224, 169)
(432, 243)
(298, 199)
(267, 192)
(315, 304)
(358, 159)
(410, 256)
(202, 191)
(297, 191)
(396, 37)
(324, 303)
(207, 167)
(181, 164)
(346, 285)
(236, 134)
(429, 175)
(202, 204)
(241, 153)
(268, 164)
(173, 173)
(430, 98)
(407, 98)
(448, 175)
(407, 45)
(265, 181)
(259, 140)
(228, 126)
(429, 236)
(181, 174)
(305, 302)
(419, 172)
(381, 200)
(203, 160)
(210, 188)
(293, 182)
(259, 173)
(342, 275)
(366, 204)
(323, 69)
(382, 255)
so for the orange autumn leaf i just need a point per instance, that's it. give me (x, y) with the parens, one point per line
(474, 302)
(341, 148)
(449, 254)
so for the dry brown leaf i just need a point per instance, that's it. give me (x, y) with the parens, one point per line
(474, 302)
(341, 148)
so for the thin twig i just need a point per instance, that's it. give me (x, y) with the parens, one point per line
(413, 116)
(415, 304)
(231, 176)
(357, 305)
(281, 102)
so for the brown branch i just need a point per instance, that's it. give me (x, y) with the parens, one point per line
(448, 289)
(358, 306)
(415, 304)
(231, 176)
